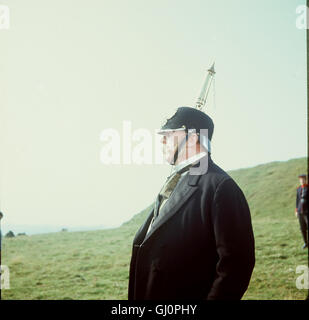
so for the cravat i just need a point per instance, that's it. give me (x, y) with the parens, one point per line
(167, 189)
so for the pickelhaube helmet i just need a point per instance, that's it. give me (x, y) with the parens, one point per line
(187, 118)
(193, 120)
(190, 120)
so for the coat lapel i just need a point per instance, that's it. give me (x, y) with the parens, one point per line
(183, 191)
(141, 232)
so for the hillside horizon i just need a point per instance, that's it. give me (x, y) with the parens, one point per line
(95, 264)
(33, 229)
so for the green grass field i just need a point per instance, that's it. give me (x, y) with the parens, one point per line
(95, 264)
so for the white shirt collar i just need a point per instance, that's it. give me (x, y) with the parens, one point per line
(188, 161)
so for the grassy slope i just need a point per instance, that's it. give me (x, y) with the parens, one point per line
(95, 264)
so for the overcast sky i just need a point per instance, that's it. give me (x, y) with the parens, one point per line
(71, 69)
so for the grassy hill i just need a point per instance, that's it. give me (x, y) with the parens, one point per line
(95, 264)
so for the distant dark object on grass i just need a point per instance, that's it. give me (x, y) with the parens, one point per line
(10, 234)
(64, 230)
(21, 234)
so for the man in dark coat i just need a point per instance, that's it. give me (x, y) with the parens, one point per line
(301, 209)
(197, 242)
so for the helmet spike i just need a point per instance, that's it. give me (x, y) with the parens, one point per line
(201, 101)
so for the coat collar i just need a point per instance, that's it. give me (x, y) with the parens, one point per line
(178, 198)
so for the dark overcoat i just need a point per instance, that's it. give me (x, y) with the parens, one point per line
(200, 247)
(302, 199)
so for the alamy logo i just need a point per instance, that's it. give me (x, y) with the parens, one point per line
(4, 277)
(301, 20)
(137, 147)
(4, 17)
(302, 280)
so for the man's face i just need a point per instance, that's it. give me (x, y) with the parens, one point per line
(169, 142)
(302, 180)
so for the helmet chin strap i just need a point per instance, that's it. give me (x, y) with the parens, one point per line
(179, 147)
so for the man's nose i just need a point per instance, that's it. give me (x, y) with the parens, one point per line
(163, 140)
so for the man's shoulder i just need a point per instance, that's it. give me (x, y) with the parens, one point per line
(215, 175)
